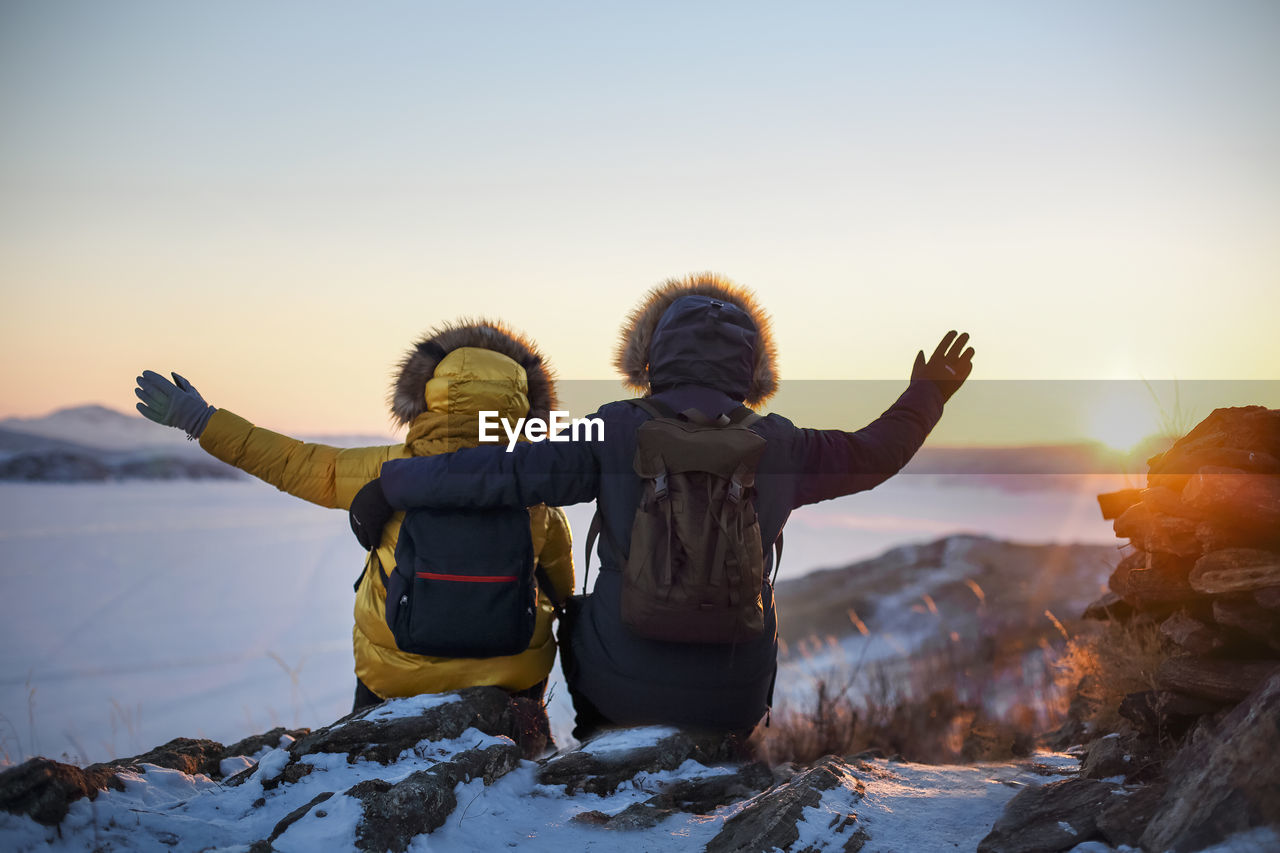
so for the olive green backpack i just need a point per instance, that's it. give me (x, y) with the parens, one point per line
(696, 566)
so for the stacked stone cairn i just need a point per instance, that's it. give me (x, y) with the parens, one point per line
(1203, 562)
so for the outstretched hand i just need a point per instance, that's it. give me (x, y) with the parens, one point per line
(370, 512)
(949, 366)
(176, 405)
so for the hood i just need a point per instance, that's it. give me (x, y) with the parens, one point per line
(408, 397)
(699, 330)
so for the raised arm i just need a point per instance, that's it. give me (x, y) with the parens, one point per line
(324, 475)
(319, 473)
(834, 462)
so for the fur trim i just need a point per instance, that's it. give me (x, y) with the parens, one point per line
(409, 392)
(632, 356)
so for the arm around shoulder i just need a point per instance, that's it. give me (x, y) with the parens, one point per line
(556, 473)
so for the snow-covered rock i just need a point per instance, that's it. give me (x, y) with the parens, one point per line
(1220, 791)
(457, 772)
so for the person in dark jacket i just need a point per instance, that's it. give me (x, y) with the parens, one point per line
(701, 343)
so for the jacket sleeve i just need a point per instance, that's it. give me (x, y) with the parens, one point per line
(556, 555)
(324, 475)
(832, 462)
(556, 473)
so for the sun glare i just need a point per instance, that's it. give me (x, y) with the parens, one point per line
(1121, 421)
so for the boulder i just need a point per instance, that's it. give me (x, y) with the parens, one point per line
(1165, 713)
(371, 734)
(1225, 780)
(1235, 570)
(769, 822)
(603, 763)
(694, 796)
(1191, 635)
(188, 755)
(1268, 598)
(394, 814)
(1110, 606)
(1107, 756)
(1260, 625)
(1245, 437)
(1153, 582)
(44, 789)
(1050, 818)
(1114, 504)
(1248, 502)
(1222, 681)
(1155, 532)
(1126, 817)
(1166, 501)
(254, 744)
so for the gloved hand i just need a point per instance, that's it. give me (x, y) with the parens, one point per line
(948, 367)
(173, 405)
(370, 512)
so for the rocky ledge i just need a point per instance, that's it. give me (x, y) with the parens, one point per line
(1219, 791)
(472, 771)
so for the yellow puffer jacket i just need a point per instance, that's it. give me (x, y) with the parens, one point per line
(464, 382)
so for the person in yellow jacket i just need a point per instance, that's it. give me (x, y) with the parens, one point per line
(443, 382)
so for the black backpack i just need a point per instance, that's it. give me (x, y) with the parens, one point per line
(465, 583)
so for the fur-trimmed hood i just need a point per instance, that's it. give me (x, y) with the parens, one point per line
(408, 393)
(732, 350)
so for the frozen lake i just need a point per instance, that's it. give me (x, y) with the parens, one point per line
(136, 612)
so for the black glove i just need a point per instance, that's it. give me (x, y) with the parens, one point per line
(370, 512)
(948, 367)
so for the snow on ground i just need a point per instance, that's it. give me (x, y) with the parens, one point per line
(910, 807)
(907, 808)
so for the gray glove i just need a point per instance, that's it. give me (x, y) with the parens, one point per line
(173, 405)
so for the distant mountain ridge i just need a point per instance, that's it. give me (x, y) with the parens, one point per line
(94, 425)
(95, 442)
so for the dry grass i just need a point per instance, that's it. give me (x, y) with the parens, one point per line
(934, 710)
(936, 729)
(1105, 667)
(969, 700)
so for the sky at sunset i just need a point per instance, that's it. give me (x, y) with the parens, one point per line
(275, 199)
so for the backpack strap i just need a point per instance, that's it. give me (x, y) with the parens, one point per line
(777, 557)
(373, 560)
(547, 587)
(655, 408)
(742, 416)
(592, 535)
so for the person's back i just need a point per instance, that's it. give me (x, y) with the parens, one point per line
(698, 343)
(442, 384)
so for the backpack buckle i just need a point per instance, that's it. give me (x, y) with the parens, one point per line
(735, 491)
(660, 486)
